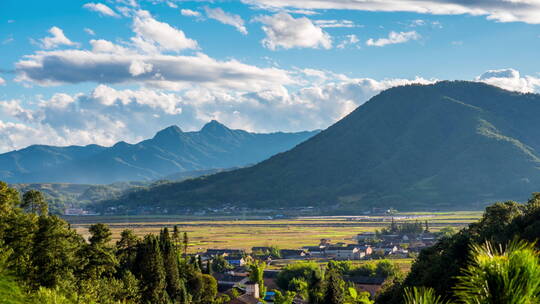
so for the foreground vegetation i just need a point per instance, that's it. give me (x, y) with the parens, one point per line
(458, 266)
(44, 260)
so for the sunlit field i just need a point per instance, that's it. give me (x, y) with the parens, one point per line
(228, 232)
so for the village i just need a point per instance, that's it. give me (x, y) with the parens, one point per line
(230, 266)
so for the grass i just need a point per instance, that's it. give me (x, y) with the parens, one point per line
(229, 232)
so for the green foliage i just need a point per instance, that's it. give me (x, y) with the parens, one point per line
(256, 274)
(34, 202)
(438, 267)
(497, 275)
(220, 265)
(422, 295)
(44, 261)
(284, 298)
(334, 289)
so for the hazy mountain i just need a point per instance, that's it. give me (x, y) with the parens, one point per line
(446, 145)
(170, 151)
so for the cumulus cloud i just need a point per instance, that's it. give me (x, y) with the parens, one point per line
(226, 18)
(510, 79)
(284, 31)
(101, 9)
(394, 38)
(56, 39)
(2, 81)
(189, 13)
(153, 35)
(500, 10)
(107, 115)
(146, 59)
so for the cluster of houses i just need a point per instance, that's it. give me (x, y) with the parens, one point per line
(369, 245)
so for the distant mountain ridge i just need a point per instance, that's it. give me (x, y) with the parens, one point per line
(442, 146)
(170, 151)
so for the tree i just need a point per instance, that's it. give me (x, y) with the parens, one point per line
(35, 202)
(9, 198)
(175, 285)
(100, 256)
(256, 274)
(126, 249)
(151, 272)
(100, 234)
(54, 252)
(220, 265)
(209, 290)
(284, 298)
(186, 244)
(497, 275)
(422, 295)
(334, 290)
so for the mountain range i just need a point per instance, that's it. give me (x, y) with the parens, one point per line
(169, 153)
(441, 146)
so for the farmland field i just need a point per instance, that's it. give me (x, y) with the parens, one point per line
(230, 232)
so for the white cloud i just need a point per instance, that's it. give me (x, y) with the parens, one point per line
(2, 81)
(89, 31)
(153, 35)
(101, 9)
(58, 38)
(510, 79)
(335, 23)
(500, 10)
(226, 18)
(350, 40)
(137, 68)
(143, 61)
(284, 31)
(105, 64)
(189, 13)
(107, 115)
(394, 38)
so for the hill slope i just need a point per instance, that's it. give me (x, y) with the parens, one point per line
(447, 145)
(170, 151)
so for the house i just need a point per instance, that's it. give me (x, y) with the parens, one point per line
(224, 252)
(369, 284)
(230, 280)
(387, 250)
(235, 260)
(292, 253)
(365, 250)
(342, 252)
(314, 251)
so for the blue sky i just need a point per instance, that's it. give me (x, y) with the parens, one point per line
(81, 72)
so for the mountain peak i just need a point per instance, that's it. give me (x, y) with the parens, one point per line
(169, 131)
(214, 127)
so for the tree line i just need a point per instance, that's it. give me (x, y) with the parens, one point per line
(43, 260)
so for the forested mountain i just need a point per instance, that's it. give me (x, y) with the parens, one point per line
(447, 145)
(170, 151)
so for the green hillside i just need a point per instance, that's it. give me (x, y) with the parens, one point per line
(442, 146)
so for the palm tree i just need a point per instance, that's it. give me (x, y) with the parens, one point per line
(498, 275)
(422, 295)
